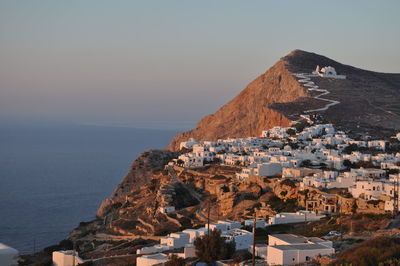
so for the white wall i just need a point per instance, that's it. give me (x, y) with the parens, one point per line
(65, 258)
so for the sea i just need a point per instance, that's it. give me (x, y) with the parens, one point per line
(53, 177)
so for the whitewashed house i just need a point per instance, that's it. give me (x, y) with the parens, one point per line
(189, 251)
(187, 144)
(377, 144)
(231, 224)
(166, 209)
(288, 249)
(190, 160)
(259, 223)
(260, 250)
(149, 260)
(153, 249)
(175, 240)
(294, 217)
(195, 233)
(369, 172)
(243, 239)
(66, 258)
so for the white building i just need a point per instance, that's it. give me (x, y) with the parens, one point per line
(195, 233)
(294, 217)
(8, 255)
(189, 251)
(327, 72)
(231, 224)
(190, 160)
(369, 172)
(260, 250)
(261, 169)
(175, 240)
(288, 249)
(345, 180)
(372, 189)
(166, 209)
(259, 223)
(217, 226)
(149, 260)
(66, 258)
(187, 144)
(377, 144)
(243, 239)
(153, 249)
(275, 132)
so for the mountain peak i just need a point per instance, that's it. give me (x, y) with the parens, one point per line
(367, 101)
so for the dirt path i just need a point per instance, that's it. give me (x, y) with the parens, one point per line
(305, 79)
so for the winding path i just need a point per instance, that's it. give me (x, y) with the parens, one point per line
(305, 79)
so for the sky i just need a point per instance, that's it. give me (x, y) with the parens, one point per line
(166, 64)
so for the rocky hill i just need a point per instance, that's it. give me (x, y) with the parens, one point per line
(369, 101)
(148, 163)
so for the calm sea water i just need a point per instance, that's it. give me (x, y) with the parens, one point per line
(52, 178)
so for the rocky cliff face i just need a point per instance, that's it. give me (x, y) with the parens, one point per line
(141, 172)
(368, 101)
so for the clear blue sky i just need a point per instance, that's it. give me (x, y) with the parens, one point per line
(168, 63)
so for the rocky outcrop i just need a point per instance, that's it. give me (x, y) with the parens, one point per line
(141, 172)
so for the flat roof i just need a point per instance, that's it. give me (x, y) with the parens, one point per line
(316, 239)
(155, 256)
(301, 247)
(290, 238)
(179, 233)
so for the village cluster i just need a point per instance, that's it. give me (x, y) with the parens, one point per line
(232, 231)
(317, 156)
(282, 249)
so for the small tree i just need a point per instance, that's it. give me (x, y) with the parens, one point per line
(291, 131)
(347, 163)
(212, 247)
(174, 260)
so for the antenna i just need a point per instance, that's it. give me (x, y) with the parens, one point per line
(208, 217)
(73, 253)
(34, 245)
(396, 191)
(253, 262)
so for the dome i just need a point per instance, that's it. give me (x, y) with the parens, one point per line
(4, 249)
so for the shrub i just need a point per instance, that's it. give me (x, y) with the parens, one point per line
(301, 125)
(250, 196)
(374, 202)
(280, 205)
(291, 131)
(288, 182)
(212, 247)
(371, 252)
